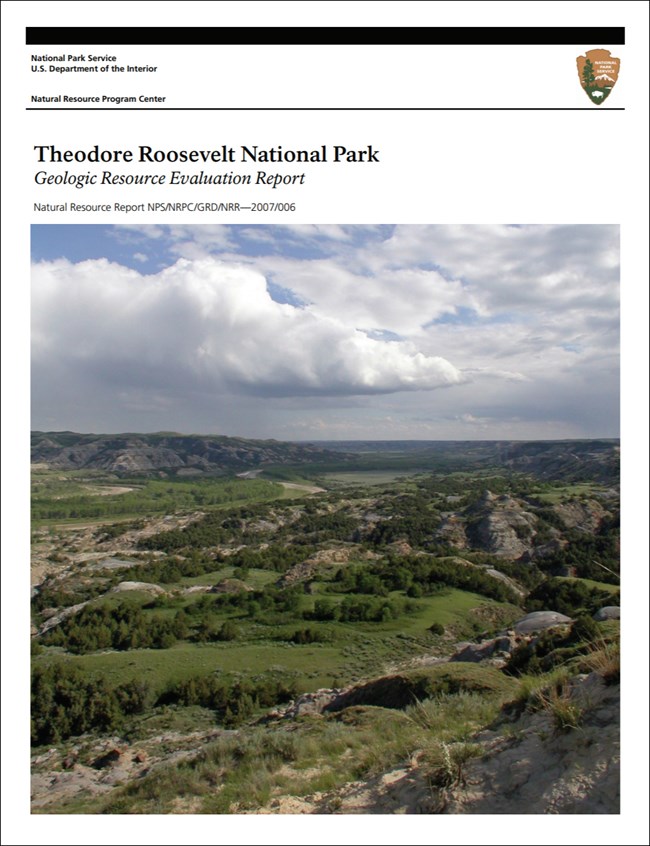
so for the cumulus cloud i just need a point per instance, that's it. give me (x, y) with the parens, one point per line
(400, 300)
(207, 326)
(277, 330)
(548, 267)
(405, 277)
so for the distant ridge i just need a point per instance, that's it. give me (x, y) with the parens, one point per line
(133, 453)
(173, 453)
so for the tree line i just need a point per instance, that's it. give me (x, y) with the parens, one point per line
(67, 702)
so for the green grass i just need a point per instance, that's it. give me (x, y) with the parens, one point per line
(367, 477)
(453, 609)
(296, 493)
(352, 650)
(568, 492)
(61, 498)
(287, 474)
(257, 579)
(460, 677)
(137, 598)
(312, 665)
(449, 703)
(242, 772)
(168, 719)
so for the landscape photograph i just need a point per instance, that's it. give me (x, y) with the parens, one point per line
(325, 519)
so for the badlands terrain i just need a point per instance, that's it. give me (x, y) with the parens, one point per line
(221, 625)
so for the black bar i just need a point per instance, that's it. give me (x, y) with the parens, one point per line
(323, 109)
(591, 36)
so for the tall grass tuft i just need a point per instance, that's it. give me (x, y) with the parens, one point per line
(533, 689)
(446, 763)
(604, 658)
(564, 710)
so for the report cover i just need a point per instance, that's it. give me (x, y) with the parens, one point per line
(313, 316)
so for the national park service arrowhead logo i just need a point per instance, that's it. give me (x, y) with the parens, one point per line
(598, 72)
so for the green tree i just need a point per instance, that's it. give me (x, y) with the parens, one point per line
(205, 631)
(228, 631)
(588, 74)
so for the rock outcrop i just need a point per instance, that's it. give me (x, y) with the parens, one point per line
(231, 586)
(146, 587)
(529, 766)
(538, 621)
(585, 516)
(322, 561)
(501, 526)
(497, 650)
(59, 616)
(538, 768)
(307, 703)
(609, 612)
(452, 532)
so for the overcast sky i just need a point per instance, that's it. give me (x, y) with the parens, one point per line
(327, 332)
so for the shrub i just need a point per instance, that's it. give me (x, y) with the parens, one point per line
(437, 629)
(584, 629)
(232, 701)
(542, 654)
(567, 596)
(324, 609)
(228, 631)
(119, 627)
(65, 702)
(309, 636)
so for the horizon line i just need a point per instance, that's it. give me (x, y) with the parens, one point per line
(171, 433)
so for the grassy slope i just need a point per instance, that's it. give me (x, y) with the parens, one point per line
(356, 650)
(75, 496)
(312, 754)
(567, 491)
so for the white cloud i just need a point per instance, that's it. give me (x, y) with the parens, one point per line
(207, 326)
(563, 276)
(402, 300)
(528, 315)
(552, 267)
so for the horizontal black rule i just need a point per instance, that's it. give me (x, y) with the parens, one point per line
(583, 37)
